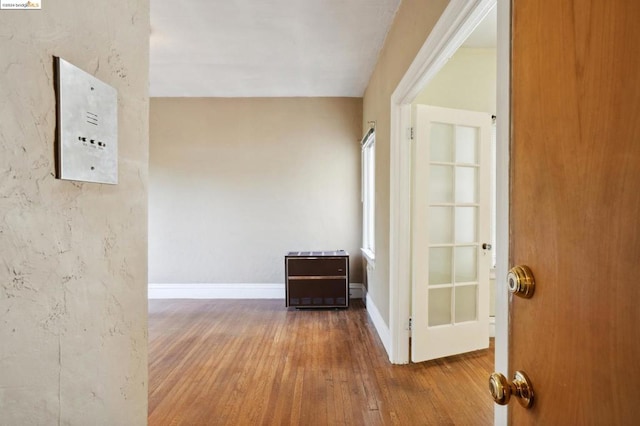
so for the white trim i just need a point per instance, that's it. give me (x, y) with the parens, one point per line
(492, 326)
(369, 256)
(503, 126)
(216, 291)
(378, 323)
(457, 21)
(400, 236)
(229, 291)
(368, 190)
(356, 291)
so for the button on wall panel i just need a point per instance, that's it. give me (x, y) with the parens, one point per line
(87, 111)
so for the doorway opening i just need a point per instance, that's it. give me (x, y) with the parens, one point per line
(455, 25)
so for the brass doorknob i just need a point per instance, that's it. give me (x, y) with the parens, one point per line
(520, 281)
(521, 387)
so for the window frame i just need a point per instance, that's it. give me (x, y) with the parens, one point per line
(368, 156)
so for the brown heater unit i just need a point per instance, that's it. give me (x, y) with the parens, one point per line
(317, 279)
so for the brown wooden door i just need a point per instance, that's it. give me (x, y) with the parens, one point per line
(575, 209)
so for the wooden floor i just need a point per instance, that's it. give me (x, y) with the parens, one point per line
(253, 362)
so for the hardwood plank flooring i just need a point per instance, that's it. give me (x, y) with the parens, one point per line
(254, 362)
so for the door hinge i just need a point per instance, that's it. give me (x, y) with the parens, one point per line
(411, 135)
(410, 323)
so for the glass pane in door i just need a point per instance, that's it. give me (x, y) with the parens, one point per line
(441, 184)
(440, 265)
(441, 148)
(466, 221)
(455, 223)
(466, 144)
(466, 264)
(439, 306)
(466, 188)
(466, 303)
(441, 225)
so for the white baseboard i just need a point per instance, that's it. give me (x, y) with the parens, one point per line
(379, 324)
(216, 291)
(228, 291)
(356, 291)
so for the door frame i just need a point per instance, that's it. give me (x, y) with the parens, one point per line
(456, 23)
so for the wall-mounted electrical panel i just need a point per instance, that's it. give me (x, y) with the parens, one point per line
(87, 126)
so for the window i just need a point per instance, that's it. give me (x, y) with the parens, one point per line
(368, 194)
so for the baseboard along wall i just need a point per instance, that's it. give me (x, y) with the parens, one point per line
(379, 323)
(229, 291)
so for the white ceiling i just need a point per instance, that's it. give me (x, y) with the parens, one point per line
(272, 48)
(265, 48)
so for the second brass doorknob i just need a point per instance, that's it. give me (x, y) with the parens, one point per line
(502, 391)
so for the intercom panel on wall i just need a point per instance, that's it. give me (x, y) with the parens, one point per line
(87, 126)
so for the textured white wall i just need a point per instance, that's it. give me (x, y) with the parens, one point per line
(73, 256)
(236, 183)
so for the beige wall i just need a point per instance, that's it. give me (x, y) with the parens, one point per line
(236, 183)
(73, 308)
(467, 81)
(411, 27)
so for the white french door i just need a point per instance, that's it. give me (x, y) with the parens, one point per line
(450, 232)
